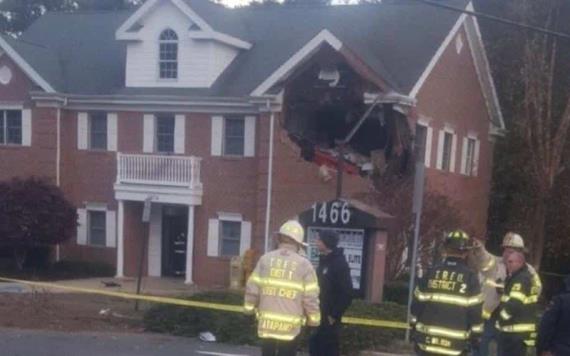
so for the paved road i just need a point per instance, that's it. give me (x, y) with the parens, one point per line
(50, 343)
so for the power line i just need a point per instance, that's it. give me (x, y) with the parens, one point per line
(496, 19)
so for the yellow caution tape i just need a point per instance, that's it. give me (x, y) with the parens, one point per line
(191, 303)
(374, 322)
(148, 298)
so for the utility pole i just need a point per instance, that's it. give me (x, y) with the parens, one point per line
(419, 182)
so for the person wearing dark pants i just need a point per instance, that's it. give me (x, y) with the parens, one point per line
(273, 347)
(335, 286)
(554, 331)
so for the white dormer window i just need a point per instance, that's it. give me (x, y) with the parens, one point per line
(168, 60)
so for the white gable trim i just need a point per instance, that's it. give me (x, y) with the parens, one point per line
(123, 33)
(484, 70)
(325, 36)
(30, 72)
(220, 37)
(450, 36)
(206, 31)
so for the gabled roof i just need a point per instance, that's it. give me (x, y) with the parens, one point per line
(34, 59)
(129, 29)
(396, 40)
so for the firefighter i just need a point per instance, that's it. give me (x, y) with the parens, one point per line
(284, 293)
(446, 312)
(517, 311)
(492, 274)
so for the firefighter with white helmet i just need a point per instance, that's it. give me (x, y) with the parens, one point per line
(493, 273)
(283, 292)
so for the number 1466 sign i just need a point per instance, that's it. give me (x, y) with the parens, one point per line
(331, 213)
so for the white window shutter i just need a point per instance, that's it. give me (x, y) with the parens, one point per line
(82, 130)
(439, 162)
(111, 230)
(245, 238)
(464, 155)
(81, 227)
(249, 144)
(112, 132)
(179, 134)
(26, 127)
(429, 139)
(217, 135)
(148, 133)
(476, 159)
(453, 153)
(213, 237)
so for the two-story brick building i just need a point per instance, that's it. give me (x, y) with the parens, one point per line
(205, 112)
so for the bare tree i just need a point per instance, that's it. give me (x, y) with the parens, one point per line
(543, 126)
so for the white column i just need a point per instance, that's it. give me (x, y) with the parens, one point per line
(190, 245)
(120, 240)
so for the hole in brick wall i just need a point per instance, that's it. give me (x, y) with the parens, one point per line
(324, 100)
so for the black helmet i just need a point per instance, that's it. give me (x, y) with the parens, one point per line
(458, 240)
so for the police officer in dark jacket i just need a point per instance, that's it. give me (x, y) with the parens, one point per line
(554, 332)
(335, 285)
(447, 307)
(517, 311)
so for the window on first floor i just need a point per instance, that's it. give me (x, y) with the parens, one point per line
(11, 127)
(230, 238)
(97, 226)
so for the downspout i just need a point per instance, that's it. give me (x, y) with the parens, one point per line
(269, 176)
(58, 168)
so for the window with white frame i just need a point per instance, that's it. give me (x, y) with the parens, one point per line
(470, 156)
(230, 237)
(234, 136)
(165, 133)
(98, 130)
(11, 127)
(96, 228)
(420, 142)
(168, 55)
(447, 151)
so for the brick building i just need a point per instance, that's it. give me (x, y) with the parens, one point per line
(214, 117)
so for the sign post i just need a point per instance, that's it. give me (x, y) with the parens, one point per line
(145, 219)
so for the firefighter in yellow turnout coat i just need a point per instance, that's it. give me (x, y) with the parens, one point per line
(284, 293)
(446, 311)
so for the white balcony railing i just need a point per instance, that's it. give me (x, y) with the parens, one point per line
(159, 170)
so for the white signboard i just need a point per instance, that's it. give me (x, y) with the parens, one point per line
(351, 240)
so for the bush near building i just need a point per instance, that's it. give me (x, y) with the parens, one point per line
(241, 329)
(34, 213)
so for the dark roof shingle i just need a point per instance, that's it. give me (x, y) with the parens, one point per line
(77, 53)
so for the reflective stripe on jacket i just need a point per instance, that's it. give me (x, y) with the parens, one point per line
(284, 293)
(492, 274)
(517, 311)
(446, 311)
